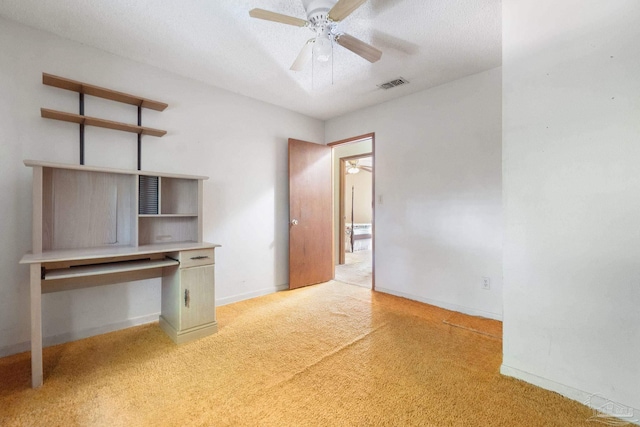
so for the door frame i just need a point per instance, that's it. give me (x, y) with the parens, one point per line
(359, 138)
(342, 186)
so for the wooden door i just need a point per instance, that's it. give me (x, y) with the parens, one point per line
(310, 214)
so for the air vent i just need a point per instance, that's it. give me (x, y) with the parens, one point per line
(393, 83)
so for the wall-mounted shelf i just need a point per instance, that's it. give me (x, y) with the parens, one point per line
(100, 92)
(102, 123)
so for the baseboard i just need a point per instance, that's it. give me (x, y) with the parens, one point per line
(593, 400)
(86, 333)
(8, 350)
(442, 304)
(249, 295)
(361, 285)
(78, 335)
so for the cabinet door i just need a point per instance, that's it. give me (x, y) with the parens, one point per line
(197, 296)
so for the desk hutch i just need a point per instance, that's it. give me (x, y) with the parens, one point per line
(96, 226)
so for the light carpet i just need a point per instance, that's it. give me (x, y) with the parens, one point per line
(357, 269)
(326, 355)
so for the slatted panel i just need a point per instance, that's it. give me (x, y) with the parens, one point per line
(148, 195)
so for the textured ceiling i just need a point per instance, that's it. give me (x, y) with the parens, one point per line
(428, 42)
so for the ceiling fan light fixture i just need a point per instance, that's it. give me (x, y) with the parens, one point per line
(323, 17)
(352, 167)
(322, 48)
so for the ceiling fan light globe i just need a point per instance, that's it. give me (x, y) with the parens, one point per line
(322, 49)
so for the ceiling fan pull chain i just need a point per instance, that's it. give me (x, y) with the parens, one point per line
(332, 61)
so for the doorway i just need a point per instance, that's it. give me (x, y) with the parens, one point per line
(310, 214)
(354, 177)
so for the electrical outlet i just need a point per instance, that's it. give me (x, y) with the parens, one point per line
(486, 283)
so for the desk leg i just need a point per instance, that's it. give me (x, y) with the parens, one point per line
(36, 326)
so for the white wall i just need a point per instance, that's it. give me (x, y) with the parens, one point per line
(438, 171)
(241, 144)
(571, 74)
(361, 183)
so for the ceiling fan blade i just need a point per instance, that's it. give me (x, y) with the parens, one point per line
(359, 47)
(366, 168)
(303, 57)
(277, 17)
(344, 8)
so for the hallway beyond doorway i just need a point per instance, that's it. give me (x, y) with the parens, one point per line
(356, 270)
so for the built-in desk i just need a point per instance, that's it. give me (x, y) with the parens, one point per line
(188, 287)
(96, 226)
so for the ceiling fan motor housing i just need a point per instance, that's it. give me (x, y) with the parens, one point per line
(318, 10)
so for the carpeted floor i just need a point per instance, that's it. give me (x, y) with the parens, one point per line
(356, 270)
(326, 355)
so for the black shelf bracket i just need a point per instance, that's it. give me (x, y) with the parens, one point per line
(139, 138)
(81, 129)
(81, 112)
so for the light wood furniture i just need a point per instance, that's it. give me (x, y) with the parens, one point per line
(94, 121)
(187, 296)
(100, 92)
(96, 226)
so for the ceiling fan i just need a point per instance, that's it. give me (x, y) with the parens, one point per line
(322, 19)
(353, 167)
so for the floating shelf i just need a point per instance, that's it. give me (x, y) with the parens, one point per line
(100, 92)
(94, 121)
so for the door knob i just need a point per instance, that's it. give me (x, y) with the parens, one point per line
(294, 222)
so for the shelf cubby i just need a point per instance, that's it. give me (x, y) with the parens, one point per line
(156, 229)
(178, 196)
(169, 209)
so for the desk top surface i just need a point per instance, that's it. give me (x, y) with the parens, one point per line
(112, 251)
(38, 163)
